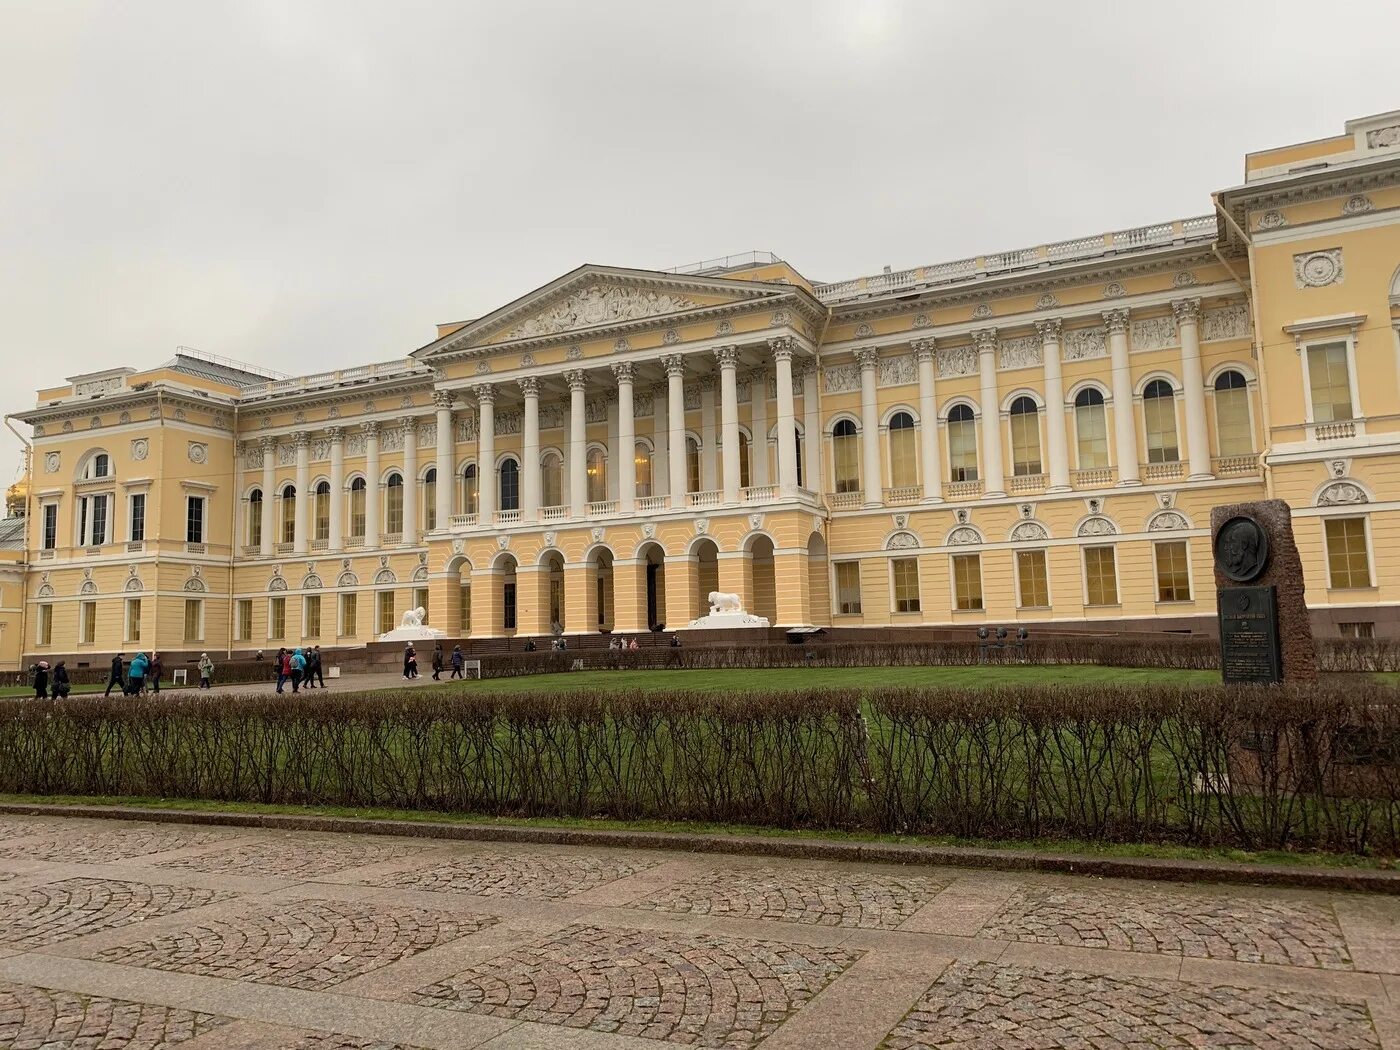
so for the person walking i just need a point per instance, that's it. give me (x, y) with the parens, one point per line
(60, 686)
(316, 667)
(41, 680)
(412, 662)
(154, 672)
(136, 673)
(115, 676)
(437, 662)
(407, 661)
(458, 661)
(284, 667)
(206, 671)
(298, 670)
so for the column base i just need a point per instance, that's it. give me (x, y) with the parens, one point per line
(1059, 488)
(927, 499)
(1130, 483)
(1200, 477)
(867, 505)
(994, 494)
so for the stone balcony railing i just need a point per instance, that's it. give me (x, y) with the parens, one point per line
(708, 498)
(1235, 466)
(1092, 477)
(650, 504)
(556, 512)
(1340, 431)
(844, 500)
(964, 489)
(759, 494)
(1020, 483)
(902, 494)
(602, 508)
(1168, 471)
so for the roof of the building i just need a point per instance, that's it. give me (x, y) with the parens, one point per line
(220, 369)
(12, 534)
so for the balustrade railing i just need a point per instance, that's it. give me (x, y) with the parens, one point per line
(390, 539)
(1334, 431)
(708, 498)
(1027, 482)
(964, 489)
(904, 494)
(195, 548)
(556, 513)
(844, 500)
(1092, 477)
(760, 493)
(649, 504)
(602, 508)
(320, 545)
(1234, 466)
(359, 541)
(463, 519)
(508, 517)
(1163, 471)
(285, 548)
(135, 546)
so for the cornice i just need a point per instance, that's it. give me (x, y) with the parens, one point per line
(122, 399)
(1302, 187)
(282, 399)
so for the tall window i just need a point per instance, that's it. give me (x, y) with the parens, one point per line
(745, 460)
(131, 629)
(597, 470)
(906, 584)
(289, 513)
(692, 465)
(430, 521)
(962, 444)
(1033, 579)
(967, 581)
(94, 515)
(552, 480)
(194, 619)
(1159, 416)
(508, 605)
(464, 608)
(358, 489)
(1329, 381)
(799, 447)
(349, 608)
(386, 611)
(243, 620)
(1232, 430)
(1348, 562)
(277, 618)
(904, 467)
(1100, 576)
(848, 587)
(50, 536)
(136, 525)
(1025, 437)
(87, 622)
(311, 616)
(1090, 429)
(642, 464)
(321, 512)
(1173, 575)
(420, 601)
(393, 503)
(845, 454)
(194, 519)
(510, 484)
(255, 503)
(44, 627)
(470, 489)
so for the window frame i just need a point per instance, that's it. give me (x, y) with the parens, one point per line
(1102, 407)
(1305, 346)
(953, 561)
(43, 624)
(1084, 569)
(48, 526)
(287, 525)
(393, 503)
(1044, 553)
(1176, 399)
(347, 602)
(1185, 545)
(243, 620)
(129, 606)
(897, 455)
(277, 618)
(197, 604)
(838, 607)
(895, 601)
(87, 622)
(970, 426)
(136, 517)
(1365, 520)
(252, 533)
(309, 621)
(1247, 390)
(845, 446)
(196, 523)
(1012, 417)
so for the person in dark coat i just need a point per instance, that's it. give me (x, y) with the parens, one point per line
(116, 677)
(458, 661)
(437, 662)
(153, 672)
(41, 680)
(316, 668)
(284, 668)
(60, 686)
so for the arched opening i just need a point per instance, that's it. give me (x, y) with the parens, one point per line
(800, 447)
(96, 467)
(1232, 430)
(962, 444)
(255, 506)
(653, 596)
(818, 587)
(552, 480)
(763, 584)
(601, 562)
(321, 507)
(505, 571)
(1025, 437)
(597, 471)
(510, 484)
(429, 516)
(1090, 429)
(470, 489)
(289, 514)
(845, 455)
(745, 460)
(706, 575)
(641, 463)
(904, 467)
(692, 464)
(554, 567)
(393, 504)
(358, 489)
(1159, 418)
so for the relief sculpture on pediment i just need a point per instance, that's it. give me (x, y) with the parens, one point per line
(597, 305)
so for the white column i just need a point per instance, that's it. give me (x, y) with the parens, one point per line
(709, 474)
(446, 472)
(269, 482)
(758, 419)
(410, 480)
(728, 358)
(626, 439)
(486, 453)
(1124, 423)
(614, 471)
(812, 428)
(675, 423)
(787, 415)
(660, 442)
(301, 538)
(1054, 404)
(1188, 313)
(371, 430)
(578, 442)
(530, 451)
(924, 353)
(993, 469)
(336, 534)
(869, 360)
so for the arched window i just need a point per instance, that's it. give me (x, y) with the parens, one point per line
(1025, 437)
(430, 521)
(358, 488)
(597, 468)
(799, 447)
(255, 505)
(510, 484)
(322, 507)
(745, 461)
(1090, 429)
(845, 456)
(289, 513)
(1159, 416)
(393, 504)
(469, 489)
(642, 464)
(552, 480)
(904, 467)
(962, 444)
(1232, 429)
(97, 467)
(692, 465)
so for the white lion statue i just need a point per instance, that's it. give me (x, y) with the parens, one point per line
(720, 602)
(413, 617)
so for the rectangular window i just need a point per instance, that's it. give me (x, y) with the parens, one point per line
(1033, 578)
(386, 611)
(137, 532)
(967, 581)
(1100, 576)
(44, 627)
(243, 625)
(50, 536)
(322, 505)
(194, 619)
(87, 622)
(466, 610)
(1357, 630)
(420, 601)
(131, 630)
(349, 607)
(277, 618)
(1329, 381)
(906, 584)
(311, 616)
(848, 587)
(508, 605)
(194, 519)
(96, 508)
(1348, 563)
(1173, 576)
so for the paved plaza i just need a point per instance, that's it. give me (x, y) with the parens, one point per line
(128, 936)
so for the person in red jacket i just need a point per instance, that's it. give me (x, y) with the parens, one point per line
(284, 667)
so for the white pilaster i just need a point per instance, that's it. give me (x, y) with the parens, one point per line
(626, 439)
(301, 538)
(269, 482)
(758, 419)
(446, 479)
(1188, 313)
(675, 423)
(869, 360)
(1055, 432)
(787, 416)
(660, 441)
(335, 538)
(928, 422)
(709, 466)
(728, 358)
(530, 451)
(372, 490)
(578, 442)
(486, 477)
(1124, 423)
(993, 468)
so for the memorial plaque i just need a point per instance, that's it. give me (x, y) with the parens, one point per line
(1249, 636)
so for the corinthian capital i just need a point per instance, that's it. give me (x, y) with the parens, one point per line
(1116, 320)
(782, 347)
(370, 428)
(925, 349)
(485, 393)
(336, 434)
(302, 439)
(986, 340)
(267, 444)
(529, 386)
(443, 398)
(868, 357)
(674, 365)
(727, 356)
(1049, 331)
(623, 371)
(1186, 310)
(577, 378)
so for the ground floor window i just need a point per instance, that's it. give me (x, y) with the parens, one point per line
(44, 626)
(386, 612)
(243, 620)
(1173, 575)
(87, 622)
(420, 601)
(1033, 580)
(349, 607)
(277, 618)
(466, 610)
(194, 619)
(967, 581)
(1357, 630)
(1100, 576)
(848, 587)
(1348, 561)
(132, 628)
(311, 616)
(508, 606)
(906, 584)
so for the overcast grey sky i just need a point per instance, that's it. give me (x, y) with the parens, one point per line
(308, 184)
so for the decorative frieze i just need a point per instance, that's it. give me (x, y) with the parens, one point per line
(1025, 351)
(391, 439)
(508, 422)
(286, 454)
(956, 361)
(840, 379)
(898, 371)
(1083, 344)
(1153, 333)
(1227, 322)
(97, 386)
(598, 305)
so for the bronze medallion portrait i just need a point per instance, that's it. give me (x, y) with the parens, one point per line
(1241, 549)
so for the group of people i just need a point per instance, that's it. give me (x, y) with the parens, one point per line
(141, 675)
(301, 667)
(617, 645)
(440, 663)
(54, 686)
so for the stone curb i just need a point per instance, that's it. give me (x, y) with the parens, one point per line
(1366, 880)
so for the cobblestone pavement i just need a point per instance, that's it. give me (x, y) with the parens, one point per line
(129, 936)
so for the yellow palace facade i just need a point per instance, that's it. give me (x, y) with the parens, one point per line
(1028, 437)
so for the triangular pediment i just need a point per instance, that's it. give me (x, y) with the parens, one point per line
(598, 298)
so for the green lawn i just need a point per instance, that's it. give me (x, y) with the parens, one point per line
(28, 690)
